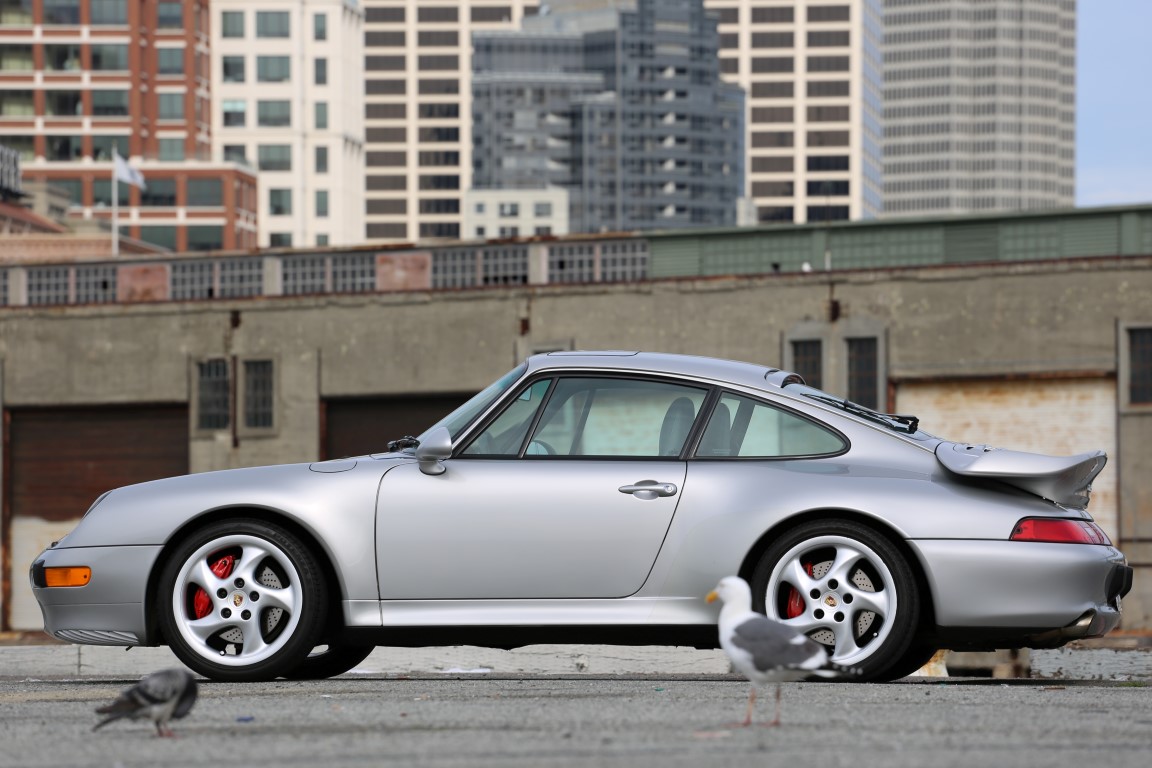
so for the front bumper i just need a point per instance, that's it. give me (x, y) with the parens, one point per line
(110, 609)
(1038, 594)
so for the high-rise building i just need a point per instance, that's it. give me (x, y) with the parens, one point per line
(417, 86)
(82, 80)
(288, 89)
(813, 75)
(979, 105)
(620, 104)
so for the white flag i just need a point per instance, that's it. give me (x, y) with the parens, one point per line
(127, 173)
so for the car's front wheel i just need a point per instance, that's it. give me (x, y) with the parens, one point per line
(847, 587)
(242, 600)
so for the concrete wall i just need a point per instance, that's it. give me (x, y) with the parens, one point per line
(1042, 326)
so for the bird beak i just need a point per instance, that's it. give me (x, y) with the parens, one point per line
(711, 597)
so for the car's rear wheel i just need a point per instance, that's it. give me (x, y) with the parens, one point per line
(847, 587)
(242, 600)
(330, 660)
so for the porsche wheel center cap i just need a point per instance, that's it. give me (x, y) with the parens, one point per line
(829, 600)
(238, 599)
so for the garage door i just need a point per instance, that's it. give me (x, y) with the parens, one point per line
(357, 426)
(61, 459)
(1056, 416)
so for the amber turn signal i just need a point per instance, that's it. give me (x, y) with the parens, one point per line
(76, 576)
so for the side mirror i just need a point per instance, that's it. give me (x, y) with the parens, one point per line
(433, 450)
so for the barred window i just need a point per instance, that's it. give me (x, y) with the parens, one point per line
(212, 400)
(505, 266)
(241, 277)
(624, 261)
(863, 372)
(304, 274)
(353, 273)
(95, 285)
(807, 360)
(191, 280)
(454, 269)
(258, 394)
(572, 264)
(1140, 366)
(47, 285)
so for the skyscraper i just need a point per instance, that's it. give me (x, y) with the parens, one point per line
(620, 104)
(979, 105)
(289, 101)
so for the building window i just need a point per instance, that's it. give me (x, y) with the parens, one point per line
(321, 67)
(320, 26)
(829, 13)
(321, 239)
(18, 13)
(274, 157)
(205, 192)
(828, 162)
(170, 15)
(234, 112)
(353, 273)
(258, 394)
(272, 24)
(160, 193)
(1140, 366)
(280, 239)
(238, 277)
(206, 238)
(95, 285)
(171, 106)
(321, 159)
(170, 61)
(280, 202)
(863, 372)
(64, 104)
(190, 279)
(273, 69)
(508, 210)
(172, 149)
(304, 274)
(827, 188)
(233, 69)
(109, 12)
(540, 210)
(807, 361)
(47, 285)
(236, 153)
(102, 192)
(109, 103)
(62, 12)
(110, 58)
(273, 114)
(232, 24)
(163, 236)
(322, 203)
(212, 394)
(321, 115)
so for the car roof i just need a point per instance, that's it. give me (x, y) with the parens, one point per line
(695, 366)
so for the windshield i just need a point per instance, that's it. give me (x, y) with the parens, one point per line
(457, 421)
(909, 425)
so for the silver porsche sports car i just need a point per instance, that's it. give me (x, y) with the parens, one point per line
(597, 497)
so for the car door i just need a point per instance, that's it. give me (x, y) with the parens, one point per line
(567, 493)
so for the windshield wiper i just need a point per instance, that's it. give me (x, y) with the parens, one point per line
(894, 421)
(405, 442)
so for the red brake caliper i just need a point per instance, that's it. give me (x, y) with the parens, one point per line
(201, 603)
(795, 605)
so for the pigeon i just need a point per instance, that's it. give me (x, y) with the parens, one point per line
(159, 697)
(764, 650)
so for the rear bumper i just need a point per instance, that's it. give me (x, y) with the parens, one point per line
(1023, 594)
(110, 609)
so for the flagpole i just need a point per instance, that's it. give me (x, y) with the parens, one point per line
(115, 209)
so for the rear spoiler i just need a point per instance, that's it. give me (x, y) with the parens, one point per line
(1066, 480)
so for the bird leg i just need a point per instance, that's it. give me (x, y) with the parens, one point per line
(776, 720)
(751, 705)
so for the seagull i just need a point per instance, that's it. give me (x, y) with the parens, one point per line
(159, 697)
(764, 650)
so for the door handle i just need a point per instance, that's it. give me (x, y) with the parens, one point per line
(649, 489)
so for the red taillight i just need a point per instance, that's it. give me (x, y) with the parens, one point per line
(1057, 530)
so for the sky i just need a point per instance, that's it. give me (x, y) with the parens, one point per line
(1113, 102)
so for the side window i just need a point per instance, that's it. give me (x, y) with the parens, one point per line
(746, 428)
(617, 417)
(505, 435)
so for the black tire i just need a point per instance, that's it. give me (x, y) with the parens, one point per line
(255, 620)
(854, 593)
(330, 660)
